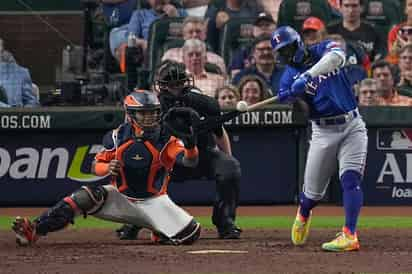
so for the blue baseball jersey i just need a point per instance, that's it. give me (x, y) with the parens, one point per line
(330, 94)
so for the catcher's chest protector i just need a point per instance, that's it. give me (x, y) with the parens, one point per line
(145, 167)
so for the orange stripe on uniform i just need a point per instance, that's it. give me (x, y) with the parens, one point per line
(120, 151)
(154, 167)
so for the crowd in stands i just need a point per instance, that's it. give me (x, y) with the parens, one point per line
(225, 44)
(16, 87)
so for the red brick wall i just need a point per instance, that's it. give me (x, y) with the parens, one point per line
(35, 45)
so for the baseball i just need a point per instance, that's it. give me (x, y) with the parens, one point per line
(241, 106)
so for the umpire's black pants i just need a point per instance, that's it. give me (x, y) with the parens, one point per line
(225, 170)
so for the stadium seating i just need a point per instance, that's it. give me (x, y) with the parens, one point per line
(383, 14)
(236, 33)
(294, 12)
(164, 34)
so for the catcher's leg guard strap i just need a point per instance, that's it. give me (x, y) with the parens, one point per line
(188, 235)
(56, 218)
(89, 199)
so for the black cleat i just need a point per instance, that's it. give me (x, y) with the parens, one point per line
(128, 232)
(231, 232)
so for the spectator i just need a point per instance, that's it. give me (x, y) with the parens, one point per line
(227, 96)
(313, 31)
(194, 28)
(405, 67)
(353, 29)
(368, 93)
(218, 15)
(265, 64)
(3, 98)
(252, 89)
(16, 82)
(355, 54)
(194, 58)
(294, 12)
(139, 25)
(400, 35)
(36, 91)
(383, 72)
(118, 12)
(243, 58)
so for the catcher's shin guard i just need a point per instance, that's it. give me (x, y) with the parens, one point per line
(86, 200)
(56, 218)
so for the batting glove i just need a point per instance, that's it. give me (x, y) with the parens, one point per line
(298, 87)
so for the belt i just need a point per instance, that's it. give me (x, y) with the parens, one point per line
(337, 120)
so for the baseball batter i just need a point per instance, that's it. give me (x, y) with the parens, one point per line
(315, 75)
(139, 160)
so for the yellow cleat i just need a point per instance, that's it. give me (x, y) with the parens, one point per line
(345, 241)
(300, 229)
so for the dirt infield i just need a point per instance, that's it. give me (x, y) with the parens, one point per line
(267, 251)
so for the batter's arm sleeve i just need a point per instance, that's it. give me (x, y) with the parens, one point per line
(333, 58)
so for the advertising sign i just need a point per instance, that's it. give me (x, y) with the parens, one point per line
(40, 169)
(388, 176)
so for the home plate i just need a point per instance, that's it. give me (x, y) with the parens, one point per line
(217, 251)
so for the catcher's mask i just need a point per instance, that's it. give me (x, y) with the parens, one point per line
(143, 112)
(172, 78)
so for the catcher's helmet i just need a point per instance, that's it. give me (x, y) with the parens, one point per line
(142, 110)
(172, 77)
(289, 44)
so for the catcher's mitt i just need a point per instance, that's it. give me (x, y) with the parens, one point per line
(181, 122)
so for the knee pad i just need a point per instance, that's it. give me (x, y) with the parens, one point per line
(350, 180)
(188, 235)
(89, 199)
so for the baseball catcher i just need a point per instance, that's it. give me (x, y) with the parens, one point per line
(216, 162)
(139, 159)
(315, 74)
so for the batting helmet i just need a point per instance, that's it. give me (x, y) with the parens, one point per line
(172, 77)
(289, 44)
(142, 110)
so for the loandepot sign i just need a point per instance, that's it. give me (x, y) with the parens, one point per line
(31, 163)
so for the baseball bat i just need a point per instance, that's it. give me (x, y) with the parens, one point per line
(213, 122)
(261, 103)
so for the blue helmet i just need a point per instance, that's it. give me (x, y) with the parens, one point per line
(289, 44)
